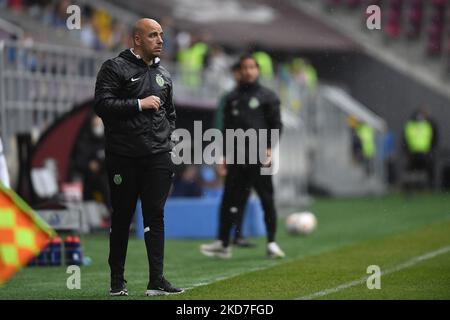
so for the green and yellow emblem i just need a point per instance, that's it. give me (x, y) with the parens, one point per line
(160, 80)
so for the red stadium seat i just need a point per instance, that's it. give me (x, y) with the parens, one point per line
(436, 29)
(415, 19)
(394, 16)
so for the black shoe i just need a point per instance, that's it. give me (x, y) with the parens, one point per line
(118, 287)
(243, 243)
(162, 287)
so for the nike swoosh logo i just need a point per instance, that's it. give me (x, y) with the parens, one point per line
(133, 79)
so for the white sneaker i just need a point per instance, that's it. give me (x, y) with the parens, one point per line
(274, 251)
(216, 249)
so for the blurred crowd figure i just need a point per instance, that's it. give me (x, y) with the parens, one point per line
(363, 143)
(218, 114)
(194, 181)
(99, 30)
(304, 73)
(187, 183)
(420, 141)
(298, 82)
(89, 162)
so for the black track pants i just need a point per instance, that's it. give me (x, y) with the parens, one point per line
(148, 178)
(239, 181)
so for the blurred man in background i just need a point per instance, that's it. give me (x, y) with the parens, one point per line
(133, 96)
(249, 106)
(89, 162)
(363, 143)
(187, 185)
(305, 74)
(239, 239)
(192, 61)
(420, 142)
(218, 114)
(366, 136)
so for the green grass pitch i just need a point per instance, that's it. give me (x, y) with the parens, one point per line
(352, 234)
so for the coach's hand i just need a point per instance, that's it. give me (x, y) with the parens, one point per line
(222, 167)
(150, 102)
(268, 161)
(94, 166)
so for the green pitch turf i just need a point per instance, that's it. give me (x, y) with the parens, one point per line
(352, 234)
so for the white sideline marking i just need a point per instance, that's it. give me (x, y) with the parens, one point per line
(404, 265)
(220, 278)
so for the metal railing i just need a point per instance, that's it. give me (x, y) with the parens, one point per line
(11, 29)
(39, 82)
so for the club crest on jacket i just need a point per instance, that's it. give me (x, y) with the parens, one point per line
(253, 103)
(159, 80)
(117, 179)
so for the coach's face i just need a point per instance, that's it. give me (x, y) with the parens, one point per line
(149, 39)
(249, 70)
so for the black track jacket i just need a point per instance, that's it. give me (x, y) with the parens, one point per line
(130, 132)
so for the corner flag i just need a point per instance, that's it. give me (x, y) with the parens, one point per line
(23, 234)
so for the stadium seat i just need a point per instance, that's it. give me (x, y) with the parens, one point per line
(394, 17)
(415, 19)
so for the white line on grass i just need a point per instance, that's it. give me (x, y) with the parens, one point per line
(220, 278)
(410, 263)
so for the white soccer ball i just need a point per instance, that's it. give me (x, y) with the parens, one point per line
(302, 223)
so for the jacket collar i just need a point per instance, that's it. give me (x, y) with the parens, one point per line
(129, 55)
(248, 86)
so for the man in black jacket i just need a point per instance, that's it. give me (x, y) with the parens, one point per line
(133, 96)
(88, 158)
(250, 106)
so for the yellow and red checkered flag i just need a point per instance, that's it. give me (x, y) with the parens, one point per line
(23, 234)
